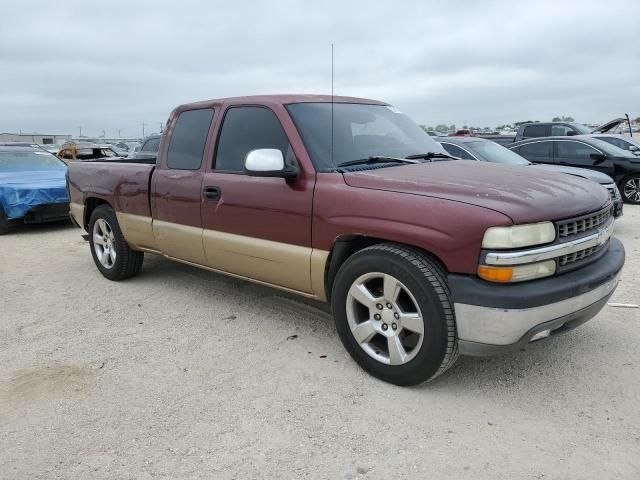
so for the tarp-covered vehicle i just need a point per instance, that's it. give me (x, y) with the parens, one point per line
(32, 187)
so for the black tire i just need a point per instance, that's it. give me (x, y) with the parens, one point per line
(630, 189)
(4, 223)
(128, 262)
(426, 282)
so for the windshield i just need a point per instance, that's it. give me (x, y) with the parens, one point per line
(359, 131)
(492, 152)
(583, 129)
(29, 161)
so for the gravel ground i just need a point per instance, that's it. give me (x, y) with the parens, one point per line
(182, 373)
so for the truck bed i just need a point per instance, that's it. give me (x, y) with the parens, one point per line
(123, 183)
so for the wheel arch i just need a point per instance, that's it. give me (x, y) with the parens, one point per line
(90, 204)
(347, 245)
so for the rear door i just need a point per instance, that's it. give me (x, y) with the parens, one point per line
(537, 152)
(176, 197)
(257, 227)
(578, 154)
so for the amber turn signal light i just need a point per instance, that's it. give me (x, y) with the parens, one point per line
(495, 274)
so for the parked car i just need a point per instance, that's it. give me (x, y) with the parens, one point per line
(555, 129)
(621, 141)
(149, 147)
(587, 152)
(71, 151)
(32, 187)
(488, 151)
(420, 259)
(463, 133)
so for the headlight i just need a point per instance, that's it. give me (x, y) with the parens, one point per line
(519, 235)
(518, 273)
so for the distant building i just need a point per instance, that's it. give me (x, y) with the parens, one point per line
(39, 138)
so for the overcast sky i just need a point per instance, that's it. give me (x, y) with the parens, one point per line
(115, 64)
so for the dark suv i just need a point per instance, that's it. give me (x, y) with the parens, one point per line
(561, 129)
(587, 152)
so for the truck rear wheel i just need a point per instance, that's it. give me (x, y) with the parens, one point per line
(393, 312)
(110, 251)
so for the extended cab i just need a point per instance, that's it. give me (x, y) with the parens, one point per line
(348, 201)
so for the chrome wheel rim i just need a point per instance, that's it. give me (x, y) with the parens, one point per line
(104, 243)
(632, 189)
(384, 318)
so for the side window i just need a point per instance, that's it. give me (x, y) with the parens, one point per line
(245, 129)
(457, 151)
(560, 130)
(151, 145)
(575, 150)
(536, 151)
(188, 139)
(536, 131)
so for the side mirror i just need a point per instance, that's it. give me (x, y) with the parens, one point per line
(598, 157)
(571, 133)
(634, 149)
(268, 162)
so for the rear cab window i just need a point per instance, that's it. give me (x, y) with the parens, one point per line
(536, 131)
(188, 139)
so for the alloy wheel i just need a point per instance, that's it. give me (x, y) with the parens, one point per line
(384, 318)
(631, 189)
(104, 243)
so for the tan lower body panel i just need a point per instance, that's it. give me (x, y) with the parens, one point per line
(137, 230)
(272, 262)
(291, 267)
(77, 212)
(180, 241)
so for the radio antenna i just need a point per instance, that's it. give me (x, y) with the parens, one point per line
(332, 163)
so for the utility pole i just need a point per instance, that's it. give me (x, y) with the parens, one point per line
(142, 129)
(119, 136)
(80, 131)
(161, 127)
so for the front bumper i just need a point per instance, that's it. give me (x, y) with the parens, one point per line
(496, 318)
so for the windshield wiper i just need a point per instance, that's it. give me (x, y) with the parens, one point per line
(376, 159)
(430, 156)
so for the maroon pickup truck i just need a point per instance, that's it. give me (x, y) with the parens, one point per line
(421, 256)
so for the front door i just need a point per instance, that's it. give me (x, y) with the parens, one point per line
(257, 227)
(579, 154)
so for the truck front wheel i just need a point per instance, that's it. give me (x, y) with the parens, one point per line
(393, 312)
(111, 253)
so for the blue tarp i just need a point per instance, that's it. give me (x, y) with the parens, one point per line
(27, 184)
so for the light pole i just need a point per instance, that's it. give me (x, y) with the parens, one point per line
(80, 132)
(142, 129)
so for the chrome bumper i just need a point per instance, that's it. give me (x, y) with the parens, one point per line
(494, 326)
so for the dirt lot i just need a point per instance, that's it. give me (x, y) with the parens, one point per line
(181, 373)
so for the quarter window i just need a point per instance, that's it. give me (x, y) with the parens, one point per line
(188, 139)
(245, 129)
(536, 150)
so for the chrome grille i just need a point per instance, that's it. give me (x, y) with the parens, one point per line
(577, 256)
(575, 226)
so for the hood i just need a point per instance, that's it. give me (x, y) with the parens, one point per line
(523, 194)
(21, 191)
(607, 127)
(599, 177)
